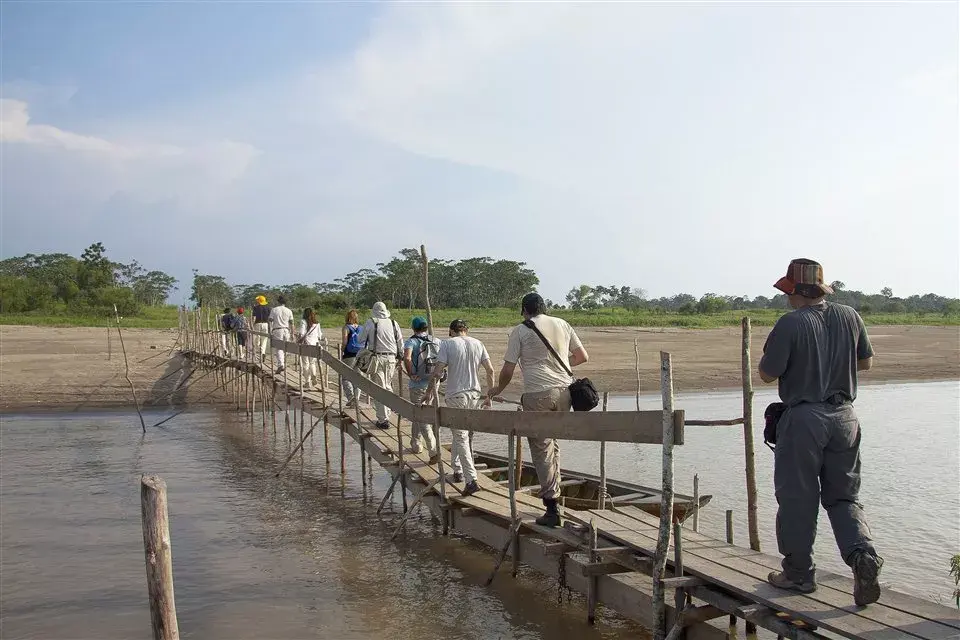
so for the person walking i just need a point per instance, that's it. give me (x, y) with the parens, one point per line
(420, 353)
(461, 356)
(545, 386)
(240, 326)
(226, 332)
(261, 324)
(815, 353)
(381, 335)
(281, 327)
(351, 346)
(310, 335)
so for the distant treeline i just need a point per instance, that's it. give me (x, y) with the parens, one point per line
(57, 283)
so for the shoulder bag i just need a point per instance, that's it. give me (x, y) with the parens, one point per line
(583, 395)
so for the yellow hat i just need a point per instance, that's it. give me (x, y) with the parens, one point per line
(261, 300)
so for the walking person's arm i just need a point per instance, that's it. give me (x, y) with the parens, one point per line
(489, 369)
(776, 350)
(578, 355)
(434, 383)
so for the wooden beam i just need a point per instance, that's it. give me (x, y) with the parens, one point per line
(603, 568)
(682, 582)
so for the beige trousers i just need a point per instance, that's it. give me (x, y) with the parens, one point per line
(546, 452)
(421, 432)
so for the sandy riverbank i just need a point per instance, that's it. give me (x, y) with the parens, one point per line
(44, 368)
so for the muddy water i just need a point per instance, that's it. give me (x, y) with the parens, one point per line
(911, 475)
(303, 556)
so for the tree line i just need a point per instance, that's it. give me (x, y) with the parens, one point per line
(472, 282)
(587, 297)
(89, 285)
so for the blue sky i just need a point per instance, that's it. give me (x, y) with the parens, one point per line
(670, 147)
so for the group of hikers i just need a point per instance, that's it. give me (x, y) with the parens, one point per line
(814, 353)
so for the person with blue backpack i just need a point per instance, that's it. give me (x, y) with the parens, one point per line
(351, 345)
(419, 360)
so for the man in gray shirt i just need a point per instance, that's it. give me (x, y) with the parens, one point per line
(815, 353)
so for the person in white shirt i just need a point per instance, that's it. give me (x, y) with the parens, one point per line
(309, 334)
(545, 387)
(462, 356)
(382, 336)
(281, 327)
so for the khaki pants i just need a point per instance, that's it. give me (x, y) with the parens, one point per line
(382, 374)
(546, 453)
(281, 334)
(262, 341)
(421, 431)
(461, 454)
(310, 368)
(349, 391)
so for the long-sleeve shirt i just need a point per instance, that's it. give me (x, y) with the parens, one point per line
(386, 340)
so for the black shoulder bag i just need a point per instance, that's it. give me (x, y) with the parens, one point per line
(771, 418)
(583, 394)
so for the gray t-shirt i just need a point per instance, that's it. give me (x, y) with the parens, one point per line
(814, 352)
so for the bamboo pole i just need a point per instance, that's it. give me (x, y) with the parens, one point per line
(511, 481)
(159, 559)
(666, 501)
(729, 518)
(126, 370)
(696, 502)
(748, 437)
(602, 498)
(636, 351)
(426, 287)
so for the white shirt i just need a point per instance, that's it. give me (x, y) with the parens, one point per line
(313, 336)
(541, 371)
(463, 356)
(388, 338)
(280, 318)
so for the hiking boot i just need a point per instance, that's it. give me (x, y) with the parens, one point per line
(279, 370)
(779, 580)
(435, 459)
(457, 476)
(866, 578)
(381, 424)
(549, 519)
(471, 488)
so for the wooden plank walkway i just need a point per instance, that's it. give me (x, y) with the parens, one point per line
(734, 577)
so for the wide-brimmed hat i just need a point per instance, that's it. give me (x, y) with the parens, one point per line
(803, 276)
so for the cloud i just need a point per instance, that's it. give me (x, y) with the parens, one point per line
(145, 169)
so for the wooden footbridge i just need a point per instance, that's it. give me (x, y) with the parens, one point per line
(621, 557)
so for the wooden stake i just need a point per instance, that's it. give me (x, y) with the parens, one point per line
(159, 560)
(602, 498)
(636, 351)
(403, 474)
(680, 597)
(666, 501)
(514, 529)
(511, 481)
(592, 583)
(748, 452)
(729, 516)
(696, 502)
(440, 468)
(426, 287)
(126, 370)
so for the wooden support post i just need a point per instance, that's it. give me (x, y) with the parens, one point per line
(440, 467)
(636, 351)
(326, 431)
(159, 557)
(696, 502)
(729, 517)
(512, 470)
(745, 373)
(363, 458)
(403, 474)
(514, 529)
(518, 465)
(297, 448)
(426, 287)
(389, 492)
(680, 596)
(666, 501)
(126, 371)
(592, 595)
(406, 516)
(300, 376)
(602, 498)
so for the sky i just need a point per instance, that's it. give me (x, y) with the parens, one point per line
(676, 147)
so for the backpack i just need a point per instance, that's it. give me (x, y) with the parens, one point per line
(425, 357)
(353, 342)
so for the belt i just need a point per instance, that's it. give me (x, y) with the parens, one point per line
(386, 353)
(836, 400)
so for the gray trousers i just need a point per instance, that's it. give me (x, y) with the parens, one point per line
(421, 432)
(817, 461)
(546, 452)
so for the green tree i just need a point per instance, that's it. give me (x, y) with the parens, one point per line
(211, 291)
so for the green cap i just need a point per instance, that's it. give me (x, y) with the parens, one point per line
(419, 323)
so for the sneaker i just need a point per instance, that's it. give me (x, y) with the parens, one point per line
(280, 370)
(381, 424)
(349, 405)
(779, 580)
(457, 476)
(549, 519)
(866, 578)
(435, 459)
(471, 488)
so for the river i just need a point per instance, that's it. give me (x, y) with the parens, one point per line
(306, 555)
